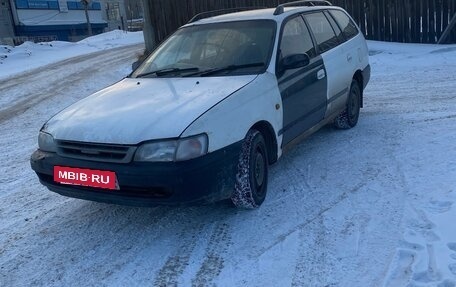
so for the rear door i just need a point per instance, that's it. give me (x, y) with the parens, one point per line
(339, 73)
(303, 90)
(352, 44)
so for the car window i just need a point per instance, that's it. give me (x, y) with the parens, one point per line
(217, 47)
(346, 24)
(322, 30)
(335, 27)
(213, 46)
(296, 39)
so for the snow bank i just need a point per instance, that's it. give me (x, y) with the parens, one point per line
(14, 60)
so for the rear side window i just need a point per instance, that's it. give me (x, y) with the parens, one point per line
(336, 28)
(322, 30)
(345, 23)
(296, 39)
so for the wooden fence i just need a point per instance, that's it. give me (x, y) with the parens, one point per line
(410, 21)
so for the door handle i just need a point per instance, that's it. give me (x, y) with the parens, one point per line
(349, 58)
(321, 74)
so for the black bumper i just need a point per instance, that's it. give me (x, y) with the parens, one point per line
(206, 179)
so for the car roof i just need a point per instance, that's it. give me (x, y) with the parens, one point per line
(259, 14)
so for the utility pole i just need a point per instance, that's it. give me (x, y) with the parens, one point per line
(86, 10)
(149, 33)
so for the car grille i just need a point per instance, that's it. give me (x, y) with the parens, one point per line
(96, 152)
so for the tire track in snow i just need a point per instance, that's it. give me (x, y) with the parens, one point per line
(62, 78)
(309, 269)
(315, 262)
(214, 261)
(41, 73)
(279, 239)
(307, 258)
(175, 265)
(299, 180)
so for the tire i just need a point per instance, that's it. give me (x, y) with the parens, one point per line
(349, 117)
(252, 172)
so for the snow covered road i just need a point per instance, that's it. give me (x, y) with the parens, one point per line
(372, 206)
(42, 83)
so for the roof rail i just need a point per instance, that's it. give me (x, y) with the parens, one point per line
(280, 9)
(221, 12)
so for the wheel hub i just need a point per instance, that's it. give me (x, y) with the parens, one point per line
(259, 169)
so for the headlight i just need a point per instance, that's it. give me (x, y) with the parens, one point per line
(192, 147)
(176, 150)
(46, 142)
(156, 151)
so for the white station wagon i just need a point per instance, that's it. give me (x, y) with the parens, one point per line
(203, 117)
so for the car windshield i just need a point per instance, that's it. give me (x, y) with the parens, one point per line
(210, 50)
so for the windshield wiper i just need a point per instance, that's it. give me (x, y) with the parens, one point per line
(167, 71)
(224, 69)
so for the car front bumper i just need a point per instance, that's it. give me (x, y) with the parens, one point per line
(206, 179)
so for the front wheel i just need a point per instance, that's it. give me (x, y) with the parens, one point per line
(349, 117)
(252, 174)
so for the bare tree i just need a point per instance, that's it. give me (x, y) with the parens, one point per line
(86, 10)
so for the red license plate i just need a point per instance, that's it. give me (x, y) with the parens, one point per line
(85, 177)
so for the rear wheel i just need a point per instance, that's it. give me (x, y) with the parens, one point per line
(252, 174)
(349, 117)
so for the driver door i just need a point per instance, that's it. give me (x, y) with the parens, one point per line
(303, 90)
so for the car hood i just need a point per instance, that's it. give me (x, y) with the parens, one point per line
(137, 110)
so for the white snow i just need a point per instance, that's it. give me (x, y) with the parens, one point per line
(372, 206)
(31, 55)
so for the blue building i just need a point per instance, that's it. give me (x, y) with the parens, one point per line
(63, 20)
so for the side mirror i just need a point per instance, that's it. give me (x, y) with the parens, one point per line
(294, 61)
